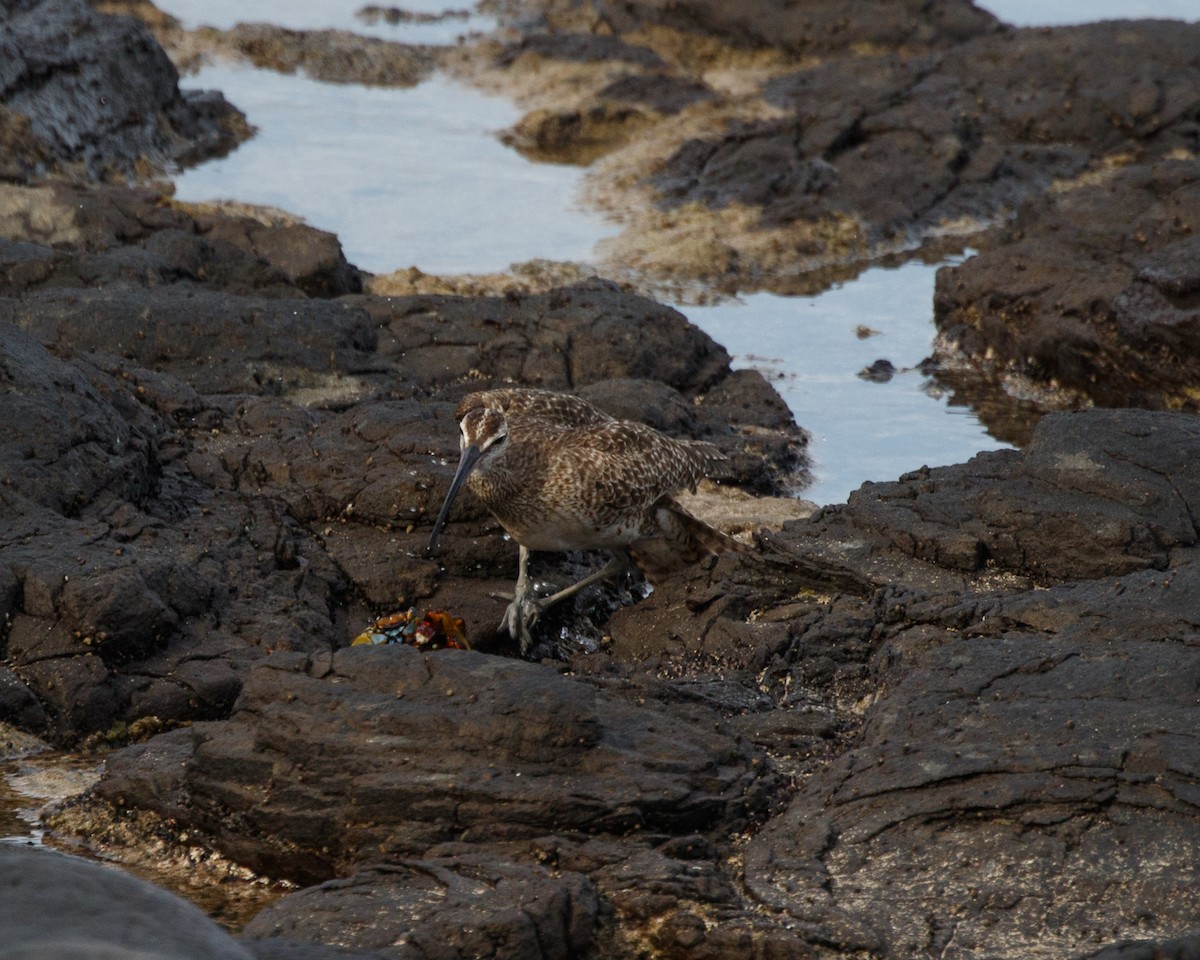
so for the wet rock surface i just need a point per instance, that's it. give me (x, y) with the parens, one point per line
(88, 92)
(332, 56)
(463, 905)
(1090, 296)
(554, 754)
(954, 716)
(1002, 735)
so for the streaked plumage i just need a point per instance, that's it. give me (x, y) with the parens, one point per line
(560, 474)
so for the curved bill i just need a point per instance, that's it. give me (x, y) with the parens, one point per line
(466, 464)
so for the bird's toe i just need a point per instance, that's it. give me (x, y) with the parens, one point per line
(519, 618)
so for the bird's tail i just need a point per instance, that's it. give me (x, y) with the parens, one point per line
(684, 540)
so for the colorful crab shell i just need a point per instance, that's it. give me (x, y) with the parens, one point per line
(437, 630)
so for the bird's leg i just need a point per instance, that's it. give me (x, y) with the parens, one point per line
(523, 613)
(614, 566)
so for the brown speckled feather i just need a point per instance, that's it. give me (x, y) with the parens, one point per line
(560, 474)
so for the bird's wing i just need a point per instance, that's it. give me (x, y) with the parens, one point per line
(632, 466)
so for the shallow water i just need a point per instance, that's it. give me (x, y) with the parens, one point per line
(811, 351)
(408, 177)
(418, 177)
(30, 783)
(1038, 13)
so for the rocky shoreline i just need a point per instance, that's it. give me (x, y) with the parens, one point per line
(954, 716)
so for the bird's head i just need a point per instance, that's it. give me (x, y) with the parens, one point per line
(483, 438)
(486, 430)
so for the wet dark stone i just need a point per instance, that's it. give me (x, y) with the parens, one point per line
(577, 136)
(198, 477)
(956, 713)
(904, 144)
(311, 259)
(468, 905)
(1041, 729)
(544, 752)
(85, 91)
(285, 948)
(19, 706)
(1090, 296)
(664, 92)
(581, 47)
(1093, 495)
(537, 339)
(71, 435)
(211, 341)
(67, 237)
(331, 56)
(1090, 697)
(881, 371)
(813, 28)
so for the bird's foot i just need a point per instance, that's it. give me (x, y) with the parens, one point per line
(519, 618)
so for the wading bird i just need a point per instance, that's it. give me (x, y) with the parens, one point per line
(560, 474)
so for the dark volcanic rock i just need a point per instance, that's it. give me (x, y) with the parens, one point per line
(285, 948)
(905, 145)
(200, 476)
(582, 48)
(121, 587)
(67, 439)
(955, 716)
(1092, 295)
(466, 906)
(212, 342)
(1091, 496)
(63, 236)
(662, 92)
(458, 746)
(536, 339)
(1042, 759)
(985, 760)
(18, 705)
(1011, 769)
(332, 56)
(814, 28)
(84, 91)
(55, 906)
(978, 756)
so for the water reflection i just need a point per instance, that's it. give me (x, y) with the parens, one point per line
(812, 349)
(404, 177)
(1036, 13)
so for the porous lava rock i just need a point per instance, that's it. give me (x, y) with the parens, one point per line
(94, 94)
(1090, 296)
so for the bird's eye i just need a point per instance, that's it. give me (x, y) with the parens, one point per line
(499, 440)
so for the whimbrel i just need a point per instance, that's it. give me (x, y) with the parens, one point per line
(560, 474)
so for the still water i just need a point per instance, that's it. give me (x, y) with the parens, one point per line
(410, 177)
(418, 177)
